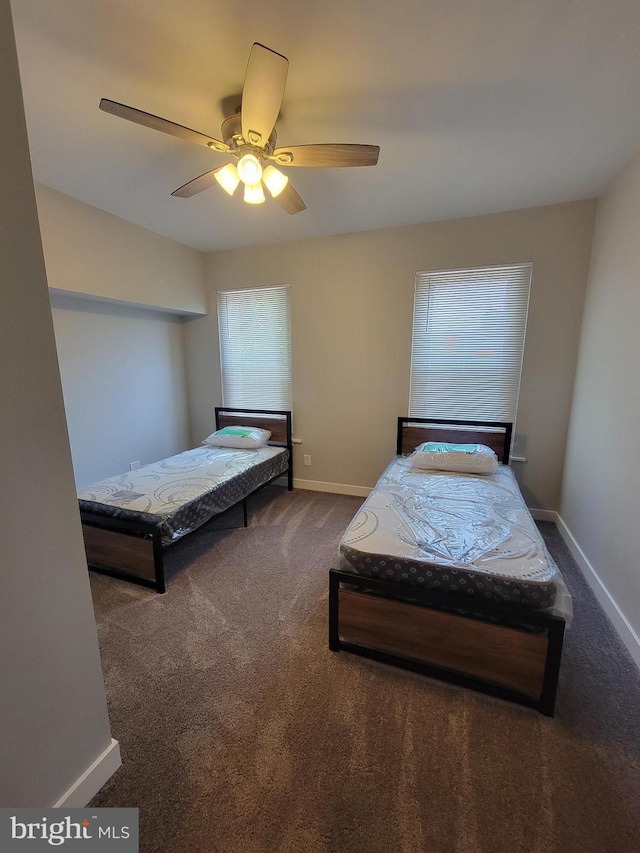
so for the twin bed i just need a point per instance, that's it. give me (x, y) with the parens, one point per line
(129, 521)
(446, 574)
(441, 573)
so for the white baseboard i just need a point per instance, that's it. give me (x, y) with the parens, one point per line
(605, 599)
(94, 777)
(335, 488)
(544, 514)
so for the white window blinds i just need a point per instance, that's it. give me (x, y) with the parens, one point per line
(468, 342)
(255, 347)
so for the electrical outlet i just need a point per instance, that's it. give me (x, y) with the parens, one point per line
(134, 465)
(307, 459)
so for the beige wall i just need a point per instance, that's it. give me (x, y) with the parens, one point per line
(53, 714)
(124, 384)
(202, 349)
(116, 292)
(602, 473)
(89, 251)
(352, 304)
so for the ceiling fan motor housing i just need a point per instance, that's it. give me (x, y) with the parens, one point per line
(232, 135)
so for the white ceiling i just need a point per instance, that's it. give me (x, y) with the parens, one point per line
(478, 105)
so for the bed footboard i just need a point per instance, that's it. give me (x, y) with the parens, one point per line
(124, 550)
(493, 648)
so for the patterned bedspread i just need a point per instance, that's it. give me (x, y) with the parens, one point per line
(461, 533)
(182, 492)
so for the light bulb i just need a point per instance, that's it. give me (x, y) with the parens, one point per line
(249, 169)
(274, 180)
(253, 193)
(228, 178)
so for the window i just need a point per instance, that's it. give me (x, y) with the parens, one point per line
(468, 342)
(255, 347)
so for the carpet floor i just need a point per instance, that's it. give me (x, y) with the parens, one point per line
(241, 731)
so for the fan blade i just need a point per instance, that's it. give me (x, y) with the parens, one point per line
(161, 124)
(290, 201)
(327, 156)
(203, 182)
(262, 94)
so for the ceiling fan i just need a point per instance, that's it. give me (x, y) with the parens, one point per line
(250, 139)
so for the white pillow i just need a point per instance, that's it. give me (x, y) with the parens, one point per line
(239, 437)
(465, 458)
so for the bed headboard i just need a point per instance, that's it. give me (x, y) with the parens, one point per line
(495, 434)
(276, 421)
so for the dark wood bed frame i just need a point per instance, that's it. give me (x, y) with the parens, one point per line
(134, 551)
(496, 648)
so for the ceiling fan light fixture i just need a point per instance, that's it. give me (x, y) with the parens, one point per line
(228, 178)
(274, 180)
(253, 193)
(249, 169)
(250, 139)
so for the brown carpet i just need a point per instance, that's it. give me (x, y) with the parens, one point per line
(240, 731)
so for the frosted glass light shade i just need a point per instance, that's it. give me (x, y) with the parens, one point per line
(275, 181)
(228, 178)
(249, 169)
(253, 193)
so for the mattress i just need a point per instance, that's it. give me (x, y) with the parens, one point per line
(467, 534)
(182, 492)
